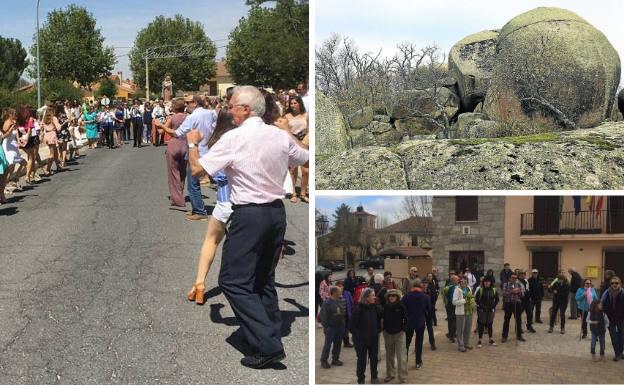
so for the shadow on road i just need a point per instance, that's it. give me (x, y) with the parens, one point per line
(8, 211)
(288, 249)
(237, 339)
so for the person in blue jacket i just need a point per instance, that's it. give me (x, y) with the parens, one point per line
(584, 297)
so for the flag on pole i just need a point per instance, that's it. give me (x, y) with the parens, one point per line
(577, 205)
(599, 206)
(560, 206)
(590, 202)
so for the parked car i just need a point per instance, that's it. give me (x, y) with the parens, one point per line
(374, 262)
(334, 265)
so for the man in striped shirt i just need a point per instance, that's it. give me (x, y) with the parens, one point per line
(255, 158)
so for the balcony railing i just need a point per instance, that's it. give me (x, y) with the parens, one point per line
(569, 222)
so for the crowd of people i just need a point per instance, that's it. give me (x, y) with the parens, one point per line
(375, 305)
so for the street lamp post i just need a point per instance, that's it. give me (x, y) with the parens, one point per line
(147, 93)
(321, 228)
(38, 71)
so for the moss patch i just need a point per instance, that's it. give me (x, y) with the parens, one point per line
(599, 141)
(515, 140)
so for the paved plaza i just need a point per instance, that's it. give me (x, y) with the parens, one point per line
(95, 270)
(543, 358)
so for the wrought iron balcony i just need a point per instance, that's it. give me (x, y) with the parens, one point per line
(569, 222)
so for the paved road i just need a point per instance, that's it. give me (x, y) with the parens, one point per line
(95, 267)
(543, 358)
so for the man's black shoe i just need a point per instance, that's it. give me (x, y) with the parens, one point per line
(539, 321)
(433, 347)
(325, 365)
(260, 360)
(530, 328)
(504, 340)
(337, 363)
(348, 345)
(521, 339)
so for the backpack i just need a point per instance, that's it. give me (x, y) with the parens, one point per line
(358, 293)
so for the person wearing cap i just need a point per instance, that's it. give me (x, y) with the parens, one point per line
(255, 158)
(418, 306)
(486, 298)
(333, 320)
(393, 323)
(536, 292)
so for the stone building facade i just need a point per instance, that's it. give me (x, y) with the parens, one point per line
(468, 232)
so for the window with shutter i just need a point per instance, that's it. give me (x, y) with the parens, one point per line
(466, 209)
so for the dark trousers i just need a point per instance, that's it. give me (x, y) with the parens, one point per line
(450, 315)
(247, 278)
(561, 308)
(617, 339)
(126, 129)
(485, 320)
(137, 130)
(333, 335)
(345, 336)
(584, 315)
(429, 324)
(363, 353)
(527, 308)
(536, 308)
(109, 129)
(433, 310)
(420, 337)
(514, 308)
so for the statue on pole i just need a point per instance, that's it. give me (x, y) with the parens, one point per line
(167, 89)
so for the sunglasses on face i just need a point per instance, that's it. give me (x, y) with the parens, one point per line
(615, 283)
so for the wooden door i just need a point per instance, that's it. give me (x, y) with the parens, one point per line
(546, 214)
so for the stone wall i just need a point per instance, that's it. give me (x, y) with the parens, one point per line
(487, 234)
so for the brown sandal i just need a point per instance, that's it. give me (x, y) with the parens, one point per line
(197, 293)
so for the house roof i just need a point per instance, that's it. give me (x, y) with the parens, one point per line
(404, 251)
(409, 225)
(222, 70)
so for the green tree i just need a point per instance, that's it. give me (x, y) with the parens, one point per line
(12, 62)
(187, 73)
(345, 232)
(59, 90)
(270, 46)
(72, 48)
(107, 87)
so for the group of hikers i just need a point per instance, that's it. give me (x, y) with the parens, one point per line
(374, 305)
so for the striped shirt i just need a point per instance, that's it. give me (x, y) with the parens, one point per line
(255, 158)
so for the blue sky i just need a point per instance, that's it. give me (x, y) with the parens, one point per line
(385, 206)
(121, 20)
(375, 24)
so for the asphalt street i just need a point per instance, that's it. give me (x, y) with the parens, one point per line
(95, 268)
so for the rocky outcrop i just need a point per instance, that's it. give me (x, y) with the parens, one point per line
(584, 159)
(553, 65)
(474, 125)
(376, 134)
(361, 118)
(331, 129)
(366, 168)
(471, 62)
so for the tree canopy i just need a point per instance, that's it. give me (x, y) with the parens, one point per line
(72, 47)
(270, 46)
(12, 61)
(187, 73)
(108, 88)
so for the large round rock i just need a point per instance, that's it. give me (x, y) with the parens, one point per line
(331, 128)
(553, 67)
(471, 62)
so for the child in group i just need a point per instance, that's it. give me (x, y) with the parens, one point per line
(598, 324)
